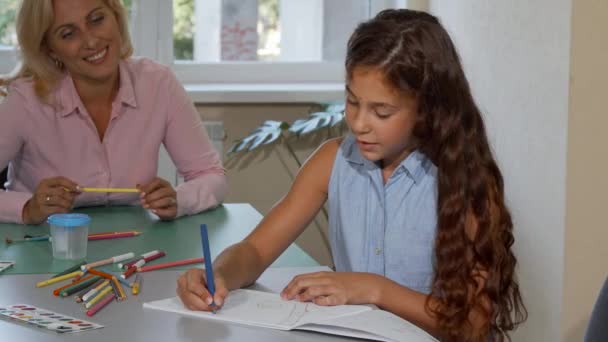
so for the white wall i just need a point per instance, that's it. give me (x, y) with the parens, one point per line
(516, 55)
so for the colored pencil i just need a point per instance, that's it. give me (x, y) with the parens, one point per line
(113, 236)
(27, 239)
(131, 262)
(123, 281)
(109, 190)
(98, 296)
(70, 270)
(137, 284)
(83, 284)
(171, 264)
(115, 290)
(121, 292)
(154, 257)
(132, 269)
(99, 273)
(58, 279)
(57, 291)
(208, 265)
(86, 282)
(111, 260)
(84, 291)
(102, 303)
(113, 233)
(91, 237)
(95, 290)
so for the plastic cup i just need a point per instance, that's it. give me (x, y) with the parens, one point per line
(69, 235)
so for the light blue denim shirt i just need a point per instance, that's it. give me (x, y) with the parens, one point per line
(387, 229)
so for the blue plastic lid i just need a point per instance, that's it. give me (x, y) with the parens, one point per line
(69, 220)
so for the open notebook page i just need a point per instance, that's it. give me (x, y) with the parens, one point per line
(377, 324)
(262, 309)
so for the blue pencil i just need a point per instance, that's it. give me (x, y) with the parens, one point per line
(208, 266)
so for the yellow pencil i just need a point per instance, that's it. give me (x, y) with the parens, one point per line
(100, 295)
(121, 292)
(136, 284)
(58, 279)
(109, 190)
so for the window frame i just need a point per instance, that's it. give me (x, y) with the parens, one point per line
(240, 82)
(232, 82)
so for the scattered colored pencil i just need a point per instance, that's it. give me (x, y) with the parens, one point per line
(8, 241)
(84, 283)
(113, 236)
(91, 237)
(95, 290)
(98, 296)
(99, 273)
(105, 301)
(84, 291)
(136, 284)
(131, 262)
(70, 270)
(109, 190)
(132, 269)
(171, 264)
(58, 279)
(121, 292)
(111, 260)
(123, 281)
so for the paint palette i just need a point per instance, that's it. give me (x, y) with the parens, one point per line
(46, 319)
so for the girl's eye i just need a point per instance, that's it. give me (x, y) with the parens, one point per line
(66, 34)
(351, 101)
(383, 115)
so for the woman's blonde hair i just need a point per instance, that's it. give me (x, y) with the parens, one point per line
(34, 19)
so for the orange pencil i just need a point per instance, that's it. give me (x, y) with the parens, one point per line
(101, 274)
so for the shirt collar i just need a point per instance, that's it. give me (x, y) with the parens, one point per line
(415, 165)
(70, 102)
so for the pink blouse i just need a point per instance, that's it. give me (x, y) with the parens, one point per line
(40, 140)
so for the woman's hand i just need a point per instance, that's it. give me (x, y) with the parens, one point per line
(334, 288)
(52, 196)
(192, 290)
(160, 197)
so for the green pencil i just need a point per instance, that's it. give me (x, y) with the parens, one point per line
(70, 270)
(68, 291)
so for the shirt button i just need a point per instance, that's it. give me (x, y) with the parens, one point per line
(378, 251)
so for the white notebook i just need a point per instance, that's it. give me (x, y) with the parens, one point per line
(268, 310)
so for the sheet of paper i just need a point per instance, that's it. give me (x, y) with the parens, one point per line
(262, 309)
(383, 324)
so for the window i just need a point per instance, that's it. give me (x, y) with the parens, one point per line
(8, 38)
(239, 50)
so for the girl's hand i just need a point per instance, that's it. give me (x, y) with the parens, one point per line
(159, 196)
(192, 290)
(334, 288)
(52, 196)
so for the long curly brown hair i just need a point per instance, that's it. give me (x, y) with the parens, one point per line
(474, 227)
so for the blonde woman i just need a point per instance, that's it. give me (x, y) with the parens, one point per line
(80, 112)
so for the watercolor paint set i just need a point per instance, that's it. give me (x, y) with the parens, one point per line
(46, 319)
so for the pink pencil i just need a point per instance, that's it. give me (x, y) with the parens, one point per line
(113, 236)
(107, 299)
(170, 264)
